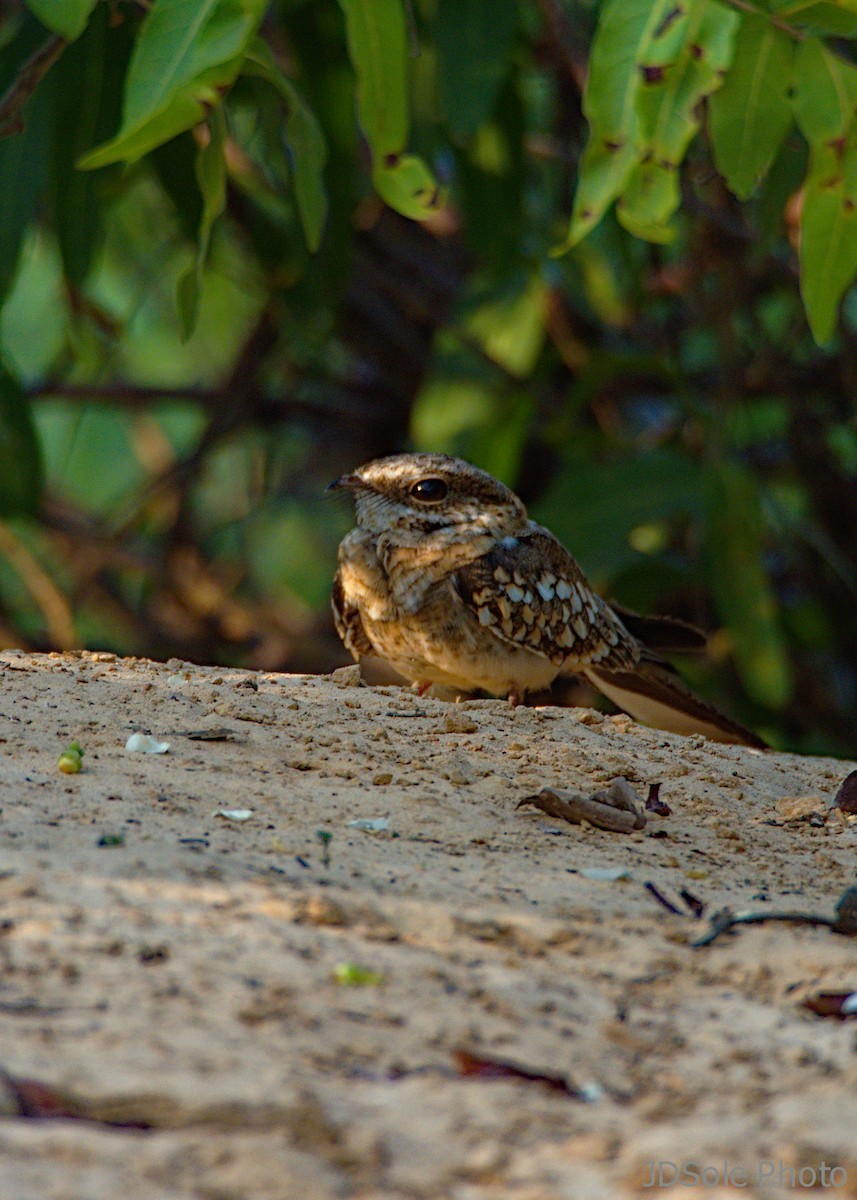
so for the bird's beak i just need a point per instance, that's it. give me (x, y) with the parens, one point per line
(345, 483)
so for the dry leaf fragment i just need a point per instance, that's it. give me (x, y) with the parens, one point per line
(42, 1101)
(617, 808)
(476, 1066)
(846, 797)
(220, 733)
(841, 1005)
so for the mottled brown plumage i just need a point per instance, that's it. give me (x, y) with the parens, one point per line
(447, 579)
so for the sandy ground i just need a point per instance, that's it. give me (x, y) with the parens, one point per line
(186, 979)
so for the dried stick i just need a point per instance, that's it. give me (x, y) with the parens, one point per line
(25, 83)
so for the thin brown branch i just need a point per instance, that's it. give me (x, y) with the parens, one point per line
(139, 396)
(55, 608)
(25, 83)
(124, 395)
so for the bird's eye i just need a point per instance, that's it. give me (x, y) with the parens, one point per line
(432, 491)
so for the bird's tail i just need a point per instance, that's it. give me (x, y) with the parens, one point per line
(654, 693)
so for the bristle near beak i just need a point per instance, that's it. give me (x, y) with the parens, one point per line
(345, 483)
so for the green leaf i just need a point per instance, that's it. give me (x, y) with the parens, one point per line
(752, 112)
(23, 176)
(377, 47)
(23, 156)
(825, 92)
(741, 588)
(20, 454)
(650, 67)
(683, 63)
(93, 69)
(474, 40)
(66, 17)
(828, 237)
(211, 177)
(650, 197)
(306, 141)
(187, 53)
(824, 101)
(409, 187)
(609, 104)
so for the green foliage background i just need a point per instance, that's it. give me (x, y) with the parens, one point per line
(606, 251)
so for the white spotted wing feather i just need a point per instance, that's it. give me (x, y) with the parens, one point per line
(530, 592)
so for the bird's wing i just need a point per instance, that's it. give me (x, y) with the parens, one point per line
(664, 635)
(530, 592)
(653, 692)
(349, 624)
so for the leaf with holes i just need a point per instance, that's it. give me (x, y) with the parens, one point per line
(752, 112)
(828, 234)
(683, 63)
(610, 107)
(187, 54)
(409, 187)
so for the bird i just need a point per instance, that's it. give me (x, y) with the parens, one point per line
(447, 579)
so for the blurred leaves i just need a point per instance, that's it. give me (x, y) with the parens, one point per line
(741, 587)
(474, 42)
(596, 507)
(651, 66)
(306, 141)
(684, 60)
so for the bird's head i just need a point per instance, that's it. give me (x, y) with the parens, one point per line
(426, 493)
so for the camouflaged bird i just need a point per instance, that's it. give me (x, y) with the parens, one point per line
(447, 579)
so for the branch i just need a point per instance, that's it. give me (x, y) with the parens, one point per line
(25, 83)
(131, 395)
(54, 605)
(798, 34)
